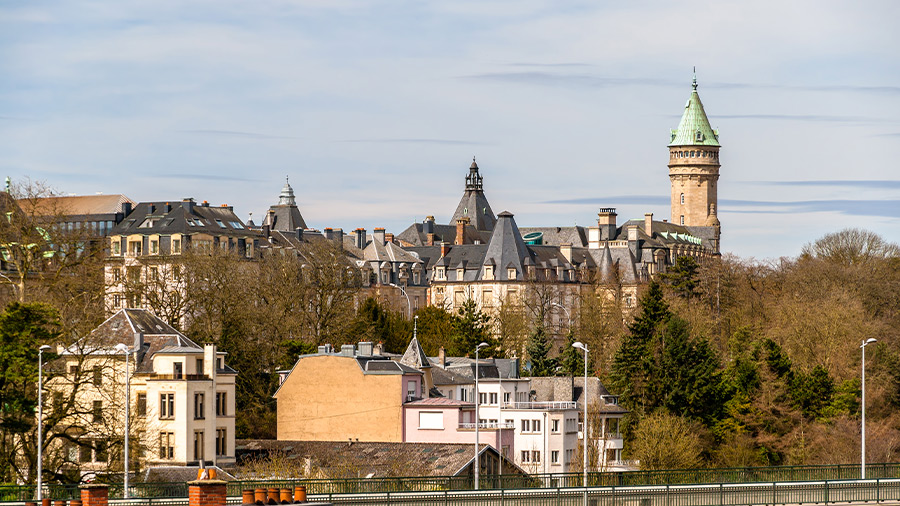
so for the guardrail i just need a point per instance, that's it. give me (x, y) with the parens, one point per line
(487, 425)
(548, 405)
(769, 475)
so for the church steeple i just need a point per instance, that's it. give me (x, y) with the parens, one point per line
(694, 167)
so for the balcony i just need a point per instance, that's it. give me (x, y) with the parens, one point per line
(542, 405)
(486, 425)
(189, 377)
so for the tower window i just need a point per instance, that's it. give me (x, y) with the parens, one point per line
(682, 219)
(682, 199)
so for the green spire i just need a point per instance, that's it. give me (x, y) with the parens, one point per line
(694, 129)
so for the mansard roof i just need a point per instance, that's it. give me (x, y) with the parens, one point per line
(185, 217)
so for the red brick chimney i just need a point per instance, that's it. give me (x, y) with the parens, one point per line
(461, 230)
(95, 494)
(445, 248)
(206, 493)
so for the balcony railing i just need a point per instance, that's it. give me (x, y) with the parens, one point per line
(189, 377)
(543, 405)
(487, 425)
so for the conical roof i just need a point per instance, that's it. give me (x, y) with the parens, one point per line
(506, 248)
(694, 128)
(287, 194)
(414, 356)
(474, 204)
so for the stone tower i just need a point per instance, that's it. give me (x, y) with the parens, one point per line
(694, 169)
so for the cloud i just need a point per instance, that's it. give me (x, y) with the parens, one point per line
(206, 177)
(235, 133)
(869, 183)
(421, 141)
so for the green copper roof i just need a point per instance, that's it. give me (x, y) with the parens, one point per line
(694, 129)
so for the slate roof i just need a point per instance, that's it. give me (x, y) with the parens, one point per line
(80, 205)
(474, 204)
(694, 128)
(141, 330)
(555, 236)
(340, 459)
(415, 355)
(184, 217)
(415, 235)
(285, 216)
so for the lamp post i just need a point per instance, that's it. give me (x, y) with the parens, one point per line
(40, 425)
(476, 462)
(862, 471)
(584, 394)
(124, 349)
(415, 326)
(408, 305)
(568, 315)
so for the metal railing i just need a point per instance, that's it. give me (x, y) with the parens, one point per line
(487, 425)
(786, 475)
(548, 405)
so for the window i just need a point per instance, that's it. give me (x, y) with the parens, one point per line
(506, 396)
(84, 453)
(221, 442)
(166, 406)
(176, 246)
(535, 426)
(440, 273)
(493, 398)
(221, 225)
(482, 398)
(141, 404)
(410, 390)
(97, 411)
(571, 425)
(199, 366)
(57, 402)
(554, 426)
(569, 454)
(154, 274)
(526, 456)
(166, 445)
(199, 412)
(536, 456)
(117, 300)
(154, 247)
(554, 457)
(98, 376)
(682, 219)
(176, 272)
(177, 370)
(526, 425)
(198, 444)
(221, 410)
(488, 272)
(101, 454)
(431, 420)
(510, 273)
(487, 297)
(73, 369)
(116, 250)
(134, 248)
(117, 275)
(682, 199)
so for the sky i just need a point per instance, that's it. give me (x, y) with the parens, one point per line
(374, 110)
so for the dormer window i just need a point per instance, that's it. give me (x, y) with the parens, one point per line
(511, 273)
(440, 273)
(459, 274)
(488, 272)
(415, 277)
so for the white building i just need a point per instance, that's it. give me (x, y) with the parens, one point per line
(182, 395)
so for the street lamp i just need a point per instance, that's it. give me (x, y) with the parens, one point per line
(415, 326)
(40, 434)
(124, 349)
(408, 305)
(568, 315)
(584, 395)
(476, 462)
(862, 472)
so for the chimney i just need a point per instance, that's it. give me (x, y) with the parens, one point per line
(339, 236)
(329, 234)
(632, 233)
(365, 348)
(168, 207)
(442, 357)
(378, 235)
(445, 248)
(348, 350)
(300, 233)
(648, 224)
(126, 208)
(606, 221)
(206, 493)
(379, 349)
(94, 494)
(428, 225)
(205, 203)
(389, 237)
(461, 230)
(566, 250)
(266, 230)
(360, 238)
(188, 205)
(152, 209)
(209, 362)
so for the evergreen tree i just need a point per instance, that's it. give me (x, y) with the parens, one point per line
(683, 277)
(571, 360)
(471, 327)
(688, 382)
(538, 350)
(634, 365)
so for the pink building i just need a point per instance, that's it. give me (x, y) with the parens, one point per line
(441, 420)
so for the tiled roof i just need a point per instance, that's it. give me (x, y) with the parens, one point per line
(345, 459)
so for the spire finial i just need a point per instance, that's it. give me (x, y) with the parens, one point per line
(695, 79)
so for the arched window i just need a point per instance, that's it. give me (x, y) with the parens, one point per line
(682, 219)
(682, 199)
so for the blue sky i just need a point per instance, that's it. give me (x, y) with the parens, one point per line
(375, 109)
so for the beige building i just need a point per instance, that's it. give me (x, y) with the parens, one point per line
(350, 394)
(182, 396)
